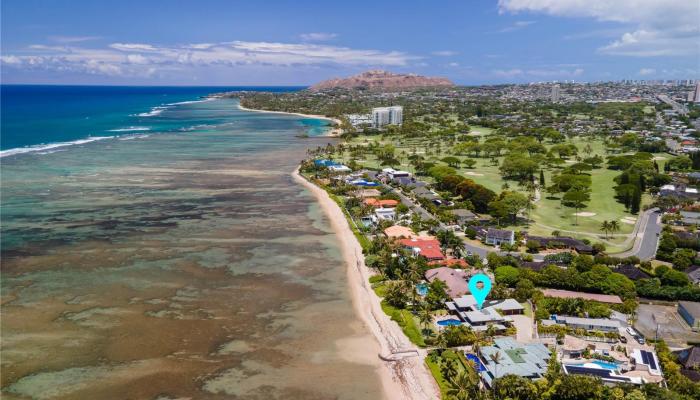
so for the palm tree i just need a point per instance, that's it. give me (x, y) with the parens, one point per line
(425, 317)
(441, 342)
(464, 385)
(614, 226)
(496, 359)
(605, 227)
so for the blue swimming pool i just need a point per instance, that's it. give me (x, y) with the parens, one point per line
(449, 322)
(599, 364)
(422, 289)
(472, 357)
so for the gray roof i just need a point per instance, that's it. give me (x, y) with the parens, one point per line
(505, 305)
(692, 307)
(500, 234)
(605, 322)
(463, 213)
(526, 360)
(487, 314)
(693, 273)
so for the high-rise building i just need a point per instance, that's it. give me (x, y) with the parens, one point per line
(556, 93)
(697, 93)
(382, 116)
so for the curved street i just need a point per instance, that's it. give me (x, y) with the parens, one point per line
(646, 233)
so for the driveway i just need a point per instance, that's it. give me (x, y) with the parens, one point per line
(524, 325)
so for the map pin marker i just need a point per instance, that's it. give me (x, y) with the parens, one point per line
(480, 291)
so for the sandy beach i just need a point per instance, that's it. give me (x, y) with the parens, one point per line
(333, 132)
(406, 377)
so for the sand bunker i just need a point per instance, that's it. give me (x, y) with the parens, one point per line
(473, 173)
(629, 220)
(585, 214)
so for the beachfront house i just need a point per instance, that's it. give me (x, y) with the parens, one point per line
(492, 313)
(509, 357)
(455, 280)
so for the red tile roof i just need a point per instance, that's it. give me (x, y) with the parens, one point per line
(451, 262)
(428, 248)
(381, 203)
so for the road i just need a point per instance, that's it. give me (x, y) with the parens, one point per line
(646, 241)
(679, 108)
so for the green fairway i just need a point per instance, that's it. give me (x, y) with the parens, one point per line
(548, 215)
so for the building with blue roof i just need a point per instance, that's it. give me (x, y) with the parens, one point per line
(509, 357)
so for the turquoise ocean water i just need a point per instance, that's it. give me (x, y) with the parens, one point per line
(155, 246)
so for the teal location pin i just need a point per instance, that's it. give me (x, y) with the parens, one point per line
(479, 293)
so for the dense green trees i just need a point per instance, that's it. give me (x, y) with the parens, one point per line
(508, 205)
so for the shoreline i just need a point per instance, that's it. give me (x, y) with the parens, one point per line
(406, 377)
(331, 132)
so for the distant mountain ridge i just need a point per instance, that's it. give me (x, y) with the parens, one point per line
(378, 79)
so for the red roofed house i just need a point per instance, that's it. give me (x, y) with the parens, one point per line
(428, 248)
(388, 203)
(455, 280)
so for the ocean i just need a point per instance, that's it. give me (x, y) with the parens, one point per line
(155, 246)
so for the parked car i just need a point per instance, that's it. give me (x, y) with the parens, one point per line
(623, 339)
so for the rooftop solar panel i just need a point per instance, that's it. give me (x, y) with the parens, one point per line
(601, 373)
(648, 359)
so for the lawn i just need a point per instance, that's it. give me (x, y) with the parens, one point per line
(407, 322)
(549, 215)
(434, 367)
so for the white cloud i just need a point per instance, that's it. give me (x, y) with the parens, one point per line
(453, 64)
(317, 36)
(658, 28)
(139, 59)
(132, 47)
(444, 53)
(647, 71)
(516, 26)
(72, 39)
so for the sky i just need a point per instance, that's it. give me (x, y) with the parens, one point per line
(472, 42)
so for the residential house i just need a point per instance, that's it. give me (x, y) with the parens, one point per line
(690, 218)
(679, 190)
(508, 357)
(693, 273)
(492, 313)
(690, 311)
(498, 237)
(385, 214)
(632, 272)
(690, 361)
(455, 280)
(381, 203)
(590, 324)
(568, 294)
(562, 242)
(463, 216)
(428, 248)
(398, 231)
(425, 193)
